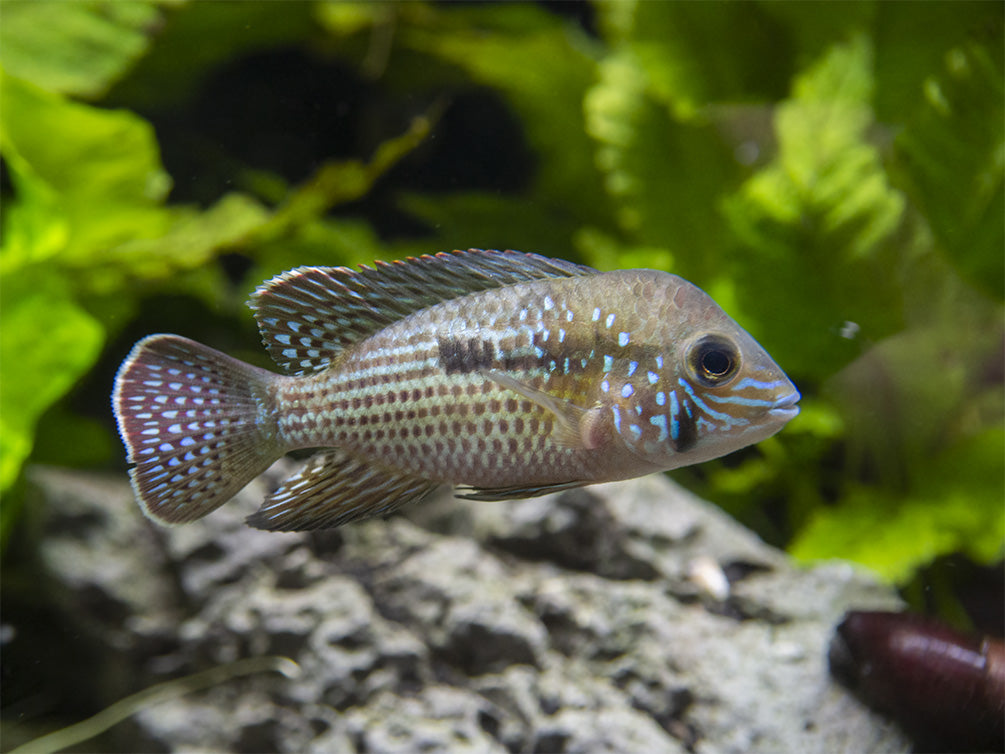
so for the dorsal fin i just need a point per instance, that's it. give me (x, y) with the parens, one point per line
(309, 315)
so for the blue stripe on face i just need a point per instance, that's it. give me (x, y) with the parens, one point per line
(751, 382)
(739, 400)
(726, 419)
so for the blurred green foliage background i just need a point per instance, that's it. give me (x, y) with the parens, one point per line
(830, 172)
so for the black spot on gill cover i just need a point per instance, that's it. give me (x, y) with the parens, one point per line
(687, 427)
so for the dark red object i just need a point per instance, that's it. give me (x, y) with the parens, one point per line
(944, 687)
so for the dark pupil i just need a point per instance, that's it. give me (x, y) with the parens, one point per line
(716, 362)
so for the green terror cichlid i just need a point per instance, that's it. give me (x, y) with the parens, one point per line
(512, 374)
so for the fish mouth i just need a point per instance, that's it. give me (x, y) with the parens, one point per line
(785, 408)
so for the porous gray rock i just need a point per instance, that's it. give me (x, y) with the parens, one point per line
(576, 622)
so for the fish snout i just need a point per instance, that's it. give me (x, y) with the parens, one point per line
(786, 408)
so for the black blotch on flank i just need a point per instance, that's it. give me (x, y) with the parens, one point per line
(465, 356)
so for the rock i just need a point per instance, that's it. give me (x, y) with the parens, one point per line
(620, 617)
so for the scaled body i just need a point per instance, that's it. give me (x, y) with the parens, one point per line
(506, 372)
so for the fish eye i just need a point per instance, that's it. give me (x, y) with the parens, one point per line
(713, 360)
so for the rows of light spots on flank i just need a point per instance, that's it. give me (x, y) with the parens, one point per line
(414, 415)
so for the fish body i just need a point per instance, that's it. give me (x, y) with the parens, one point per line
(509, 373)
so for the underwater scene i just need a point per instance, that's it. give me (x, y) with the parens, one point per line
(600, 375)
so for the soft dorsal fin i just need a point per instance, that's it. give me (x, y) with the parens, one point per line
(309, 315)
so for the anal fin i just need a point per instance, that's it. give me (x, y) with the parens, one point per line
(333, 489)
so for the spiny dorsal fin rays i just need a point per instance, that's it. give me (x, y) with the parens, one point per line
(333, 489)
(309, 315)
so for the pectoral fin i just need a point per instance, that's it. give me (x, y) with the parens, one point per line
(575, 427)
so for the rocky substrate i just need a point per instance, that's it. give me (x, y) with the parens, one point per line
(629, 617)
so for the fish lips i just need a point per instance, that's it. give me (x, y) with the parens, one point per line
(785, 408)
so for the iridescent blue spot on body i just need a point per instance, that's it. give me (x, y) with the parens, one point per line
(660, 421)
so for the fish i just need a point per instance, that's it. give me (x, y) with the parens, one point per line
(506, 374)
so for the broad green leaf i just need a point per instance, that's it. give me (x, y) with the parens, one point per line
(46, 343)
(672, 43)
(77, 48)
(957, 507)
(926, 424)
(816, 226)
(85, 178)
(90, 194)
(78, 150)
(664, 175)
(86, 219)
(952, 160)
(189, 240)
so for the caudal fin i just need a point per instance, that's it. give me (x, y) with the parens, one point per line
(197, 424)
